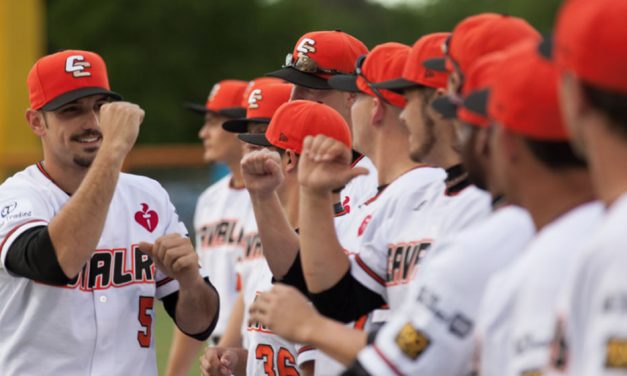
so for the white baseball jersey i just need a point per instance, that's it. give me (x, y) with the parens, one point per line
(358, 190)
(547, 261)
(432, 333)
(101, 323)
(268, 354)
(594, 311)
(221, 213)
(405, 220)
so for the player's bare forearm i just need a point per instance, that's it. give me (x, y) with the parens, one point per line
(183, 352)
(278, 238)
(323, 259)
(337, 340)
(76, 229)
(197, 306)
(233, 333)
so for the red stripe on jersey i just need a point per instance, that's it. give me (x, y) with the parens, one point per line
(238, 282)
(361, 322)
(361, 156)
(387, 361)
(369, 271)
(305, 349)
(164, 281)
(14, 229)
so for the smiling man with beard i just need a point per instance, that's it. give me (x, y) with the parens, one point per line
(86, 249)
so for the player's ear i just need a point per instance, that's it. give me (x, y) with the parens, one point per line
(291, 161)
(378, 111)
(36, 121)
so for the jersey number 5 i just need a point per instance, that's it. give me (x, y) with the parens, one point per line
(145, 319)
(285, 361)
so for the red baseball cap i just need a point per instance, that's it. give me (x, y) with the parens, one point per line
(225, 98)
(295, 120)
(256, 83)
(263, 100)
(590, 41)
(523, 97)
(319, 55)
(385, 62)
(66, 76)
(473, 110)
(415, 74)
(479, 35)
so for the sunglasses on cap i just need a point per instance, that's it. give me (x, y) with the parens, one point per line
(306, 64)
(359, 72)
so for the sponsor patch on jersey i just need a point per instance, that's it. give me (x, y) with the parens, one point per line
(15, 210)
(147, 218)
(411, 341)
(616, 353)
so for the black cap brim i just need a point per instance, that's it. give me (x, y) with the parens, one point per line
(545, 48)
(299, 78)
(398, 85)
(446, 107)
(255, 139)
(230, 112)
(241, 125)
(344, 82)
(436, 64)
(73, 95)
(477, 102)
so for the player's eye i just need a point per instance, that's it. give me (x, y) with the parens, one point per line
(70, 109)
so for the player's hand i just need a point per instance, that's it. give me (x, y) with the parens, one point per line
(174, 255)
(119, 124)
(262, 172)
(325, 165)
(218, 361)
(286, 312)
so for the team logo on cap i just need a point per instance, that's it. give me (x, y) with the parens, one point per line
(306, 46)
(254, 97)
(213, 92)
(76, 65)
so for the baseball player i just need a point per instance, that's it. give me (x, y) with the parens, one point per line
(530, 142)
(85, 249)
(253, 271)
(592, 95)
(391, 233)
(220, 214)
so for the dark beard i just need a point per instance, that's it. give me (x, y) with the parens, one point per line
(83, 161)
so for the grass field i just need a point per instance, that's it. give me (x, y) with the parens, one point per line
(163, 332)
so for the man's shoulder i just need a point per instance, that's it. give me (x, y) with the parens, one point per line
(144, 184)
(23, 182)
(220, 187)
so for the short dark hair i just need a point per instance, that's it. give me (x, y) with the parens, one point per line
(612, 104)
(556, 155)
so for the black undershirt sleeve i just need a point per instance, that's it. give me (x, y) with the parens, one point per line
(294, 276)
(32, 256)
(347, 300)
(169, 303)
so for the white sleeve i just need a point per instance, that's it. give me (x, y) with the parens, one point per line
(430, 334)
(305, 353)
(19, 211)
(369, 263)
(173, 222)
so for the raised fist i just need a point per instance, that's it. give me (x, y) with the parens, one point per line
(262, 172)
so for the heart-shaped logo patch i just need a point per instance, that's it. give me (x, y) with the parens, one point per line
(148, 219)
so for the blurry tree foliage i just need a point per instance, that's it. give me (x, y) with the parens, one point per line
(161, 53)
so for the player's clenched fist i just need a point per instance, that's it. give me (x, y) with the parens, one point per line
(325, 164)
(218, 361)
(262, 173)
(119, 124)
(174, 255)
(286, 312)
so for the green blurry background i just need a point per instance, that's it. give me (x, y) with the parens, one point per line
(161, 53)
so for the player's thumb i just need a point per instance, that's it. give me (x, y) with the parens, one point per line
(145, 247)
(229, 359)
(357, 171)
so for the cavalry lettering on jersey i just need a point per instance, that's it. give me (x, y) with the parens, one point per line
(402, 260)
(224, 232)
(109, 268)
